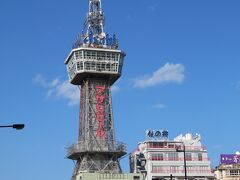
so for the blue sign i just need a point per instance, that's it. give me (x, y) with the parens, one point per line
(108, 40)
(230, 159)
(157, 134)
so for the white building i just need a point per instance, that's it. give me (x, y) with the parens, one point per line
(161, 159)
(229, 168)
(228, 172)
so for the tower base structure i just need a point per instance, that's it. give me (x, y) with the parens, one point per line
(107, 176)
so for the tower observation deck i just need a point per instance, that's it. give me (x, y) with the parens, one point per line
(94, 64)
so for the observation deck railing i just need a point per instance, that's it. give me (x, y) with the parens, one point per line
(117, 147)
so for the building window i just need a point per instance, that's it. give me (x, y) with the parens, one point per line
(234, 172)
(136, 178)
(174, 169)
(190, 169)
(200, 157)
(173, 156)
(171, 146)
(204, 169)
(188, 156)
(157, 169)
(157, 144)
(108, 67)
(87, 65)
(165, 169)
(157, 157)
(98, 66)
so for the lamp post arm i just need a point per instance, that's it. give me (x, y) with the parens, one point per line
(15, 126)
(6, 126)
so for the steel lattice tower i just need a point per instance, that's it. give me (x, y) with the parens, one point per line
(94, 64)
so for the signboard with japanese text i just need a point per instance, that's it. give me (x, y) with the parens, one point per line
(100, 111)
(230, 159)
(157, 134)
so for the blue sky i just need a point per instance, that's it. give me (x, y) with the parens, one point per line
(181, 73)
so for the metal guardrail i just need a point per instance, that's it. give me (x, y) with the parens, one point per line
(99, 146)
(167, 171)
(178, 159)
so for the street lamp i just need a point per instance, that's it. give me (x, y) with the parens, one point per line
(15, 126)
(184, 158)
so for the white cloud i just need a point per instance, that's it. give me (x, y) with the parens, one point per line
(59, 89)
(54, 82)
(217, 146)
(159, 106)
(64, 89)
(39, 79)
(153, 7)
(238, 85)
(128, 17)
(169, 73)
(69, 92)
(115, 88)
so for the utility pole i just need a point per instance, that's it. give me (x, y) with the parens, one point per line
(184, 158)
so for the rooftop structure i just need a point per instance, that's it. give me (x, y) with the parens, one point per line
(94, 64)
(161, 158)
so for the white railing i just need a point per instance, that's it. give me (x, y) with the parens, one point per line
(167, 171)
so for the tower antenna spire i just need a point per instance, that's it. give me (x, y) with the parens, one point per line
(93, 34)
(95, 18)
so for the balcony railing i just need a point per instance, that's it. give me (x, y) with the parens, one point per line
(177, 159)
(233, 174)
(187, 148)
(182, 171)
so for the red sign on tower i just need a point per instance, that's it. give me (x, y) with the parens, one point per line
(100, 111)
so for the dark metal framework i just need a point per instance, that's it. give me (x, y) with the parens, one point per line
(93, 152)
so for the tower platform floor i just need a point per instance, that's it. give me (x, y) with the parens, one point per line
(77, 150)
(75, 154)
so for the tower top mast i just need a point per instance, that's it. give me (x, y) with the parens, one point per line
(95, 18)
(93, 34)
